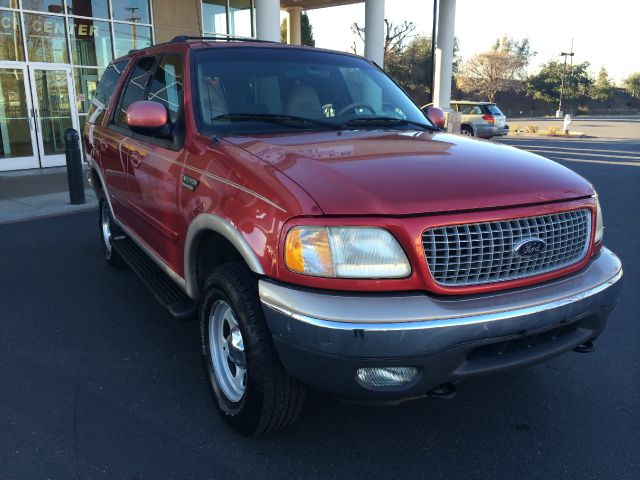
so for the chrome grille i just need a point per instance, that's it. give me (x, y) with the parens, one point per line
(478, 253)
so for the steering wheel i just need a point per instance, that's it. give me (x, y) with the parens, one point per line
(353, 106)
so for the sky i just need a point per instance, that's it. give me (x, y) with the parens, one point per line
(605, 33)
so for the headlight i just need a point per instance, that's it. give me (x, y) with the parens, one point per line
(345, 252)
(599, 225)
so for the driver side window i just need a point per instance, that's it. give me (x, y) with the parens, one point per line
(166, 85)
(136, 88)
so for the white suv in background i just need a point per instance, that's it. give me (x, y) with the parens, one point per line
(479, 119)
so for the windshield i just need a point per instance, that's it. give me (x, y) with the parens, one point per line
(250, 90)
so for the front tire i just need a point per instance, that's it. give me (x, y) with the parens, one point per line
(252, 391)
(107, 230)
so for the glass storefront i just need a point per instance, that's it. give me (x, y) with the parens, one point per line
(15, 130)
(38, 100)
(233, 17)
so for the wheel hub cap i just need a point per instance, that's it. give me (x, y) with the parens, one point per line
(226, 348)
(106, 226)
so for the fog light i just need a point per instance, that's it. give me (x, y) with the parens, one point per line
(386, 376)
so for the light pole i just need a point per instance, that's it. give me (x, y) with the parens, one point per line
(433, 49)
(564, 69)
(134, 18)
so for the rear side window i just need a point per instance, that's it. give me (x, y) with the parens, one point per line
(104, 91)
(136, 88)
(166, 85)
(470, 109)
(494, 110)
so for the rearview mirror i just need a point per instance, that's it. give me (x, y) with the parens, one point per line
(436, 115)
(147, 117)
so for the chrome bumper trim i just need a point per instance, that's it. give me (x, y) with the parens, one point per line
(393, 312)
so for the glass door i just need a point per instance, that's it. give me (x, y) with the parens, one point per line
(18, 144)
(54, 110)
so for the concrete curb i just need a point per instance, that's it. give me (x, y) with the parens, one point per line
(42, 206)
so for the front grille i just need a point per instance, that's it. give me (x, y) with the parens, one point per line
(478, 253)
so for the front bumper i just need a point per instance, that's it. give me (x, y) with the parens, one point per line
(322, 338)
(502, 131)
(485, 130)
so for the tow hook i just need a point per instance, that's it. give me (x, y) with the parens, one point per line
(586, 347)
(446, 391)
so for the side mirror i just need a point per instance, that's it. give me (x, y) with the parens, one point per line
(148, 118)
(436, 115)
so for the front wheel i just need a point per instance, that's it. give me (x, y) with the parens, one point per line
(107, 229)
(253, 393)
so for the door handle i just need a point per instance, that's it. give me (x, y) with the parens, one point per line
(135, 159)
(34, 115)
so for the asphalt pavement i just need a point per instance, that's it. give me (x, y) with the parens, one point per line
(97, 381)
(601, 126)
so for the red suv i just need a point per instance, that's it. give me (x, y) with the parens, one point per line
(328, 235)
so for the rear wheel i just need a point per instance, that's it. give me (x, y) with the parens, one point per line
(107, 230)
(253, 393)
(466, 130)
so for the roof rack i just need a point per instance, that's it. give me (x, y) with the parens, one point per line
(218, 37)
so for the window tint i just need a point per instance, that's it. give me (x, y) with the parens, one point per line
(330, 88)
(470, 109)
(166, 85)
(104, 91)
(494, 110)
(136, 88)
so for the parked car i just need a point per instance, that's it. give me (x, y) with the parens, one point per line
(479, 119)
(328, 235)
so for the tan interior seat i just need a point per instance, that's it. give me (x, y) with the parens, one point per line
(303, 101)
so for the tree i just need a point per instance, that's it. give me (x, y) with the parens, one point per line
(500, 69)
(545, 85)
(411, 68)
(632, 84)
(521, 48)
(306, 30)
(394, 37)
(603, 88)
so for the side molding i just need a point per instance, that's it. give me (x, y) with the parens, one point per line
(158, 261)
(209, 222)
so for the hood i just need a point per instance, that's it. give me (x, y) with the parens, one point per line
(403, 173)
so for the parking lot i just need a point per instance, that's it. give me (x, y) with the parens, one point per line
(97, 381)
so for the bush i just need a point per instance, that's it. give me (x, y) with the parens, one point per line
(532, 128)
(515, 127)
(553, 131)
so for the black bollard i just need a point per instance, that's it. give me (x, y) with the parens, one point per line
(74, 167)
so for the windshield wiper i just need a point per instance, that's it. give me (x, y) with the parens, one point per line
(274, 118)
(385, 122)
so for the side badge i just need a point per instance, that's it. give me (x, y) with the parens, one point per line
(189, 183)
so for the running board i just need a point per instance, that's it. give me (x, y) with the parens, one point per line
(170, 296)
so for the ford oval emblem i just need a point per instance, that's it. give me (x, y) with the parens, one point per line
(529, 247)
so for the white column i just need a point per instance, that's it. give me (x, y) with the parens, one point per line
(374, 31)
(444, 53)
(294, 26)
(268, 20)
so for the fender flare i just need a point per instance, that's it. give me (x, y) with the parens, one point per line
(213, 223)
